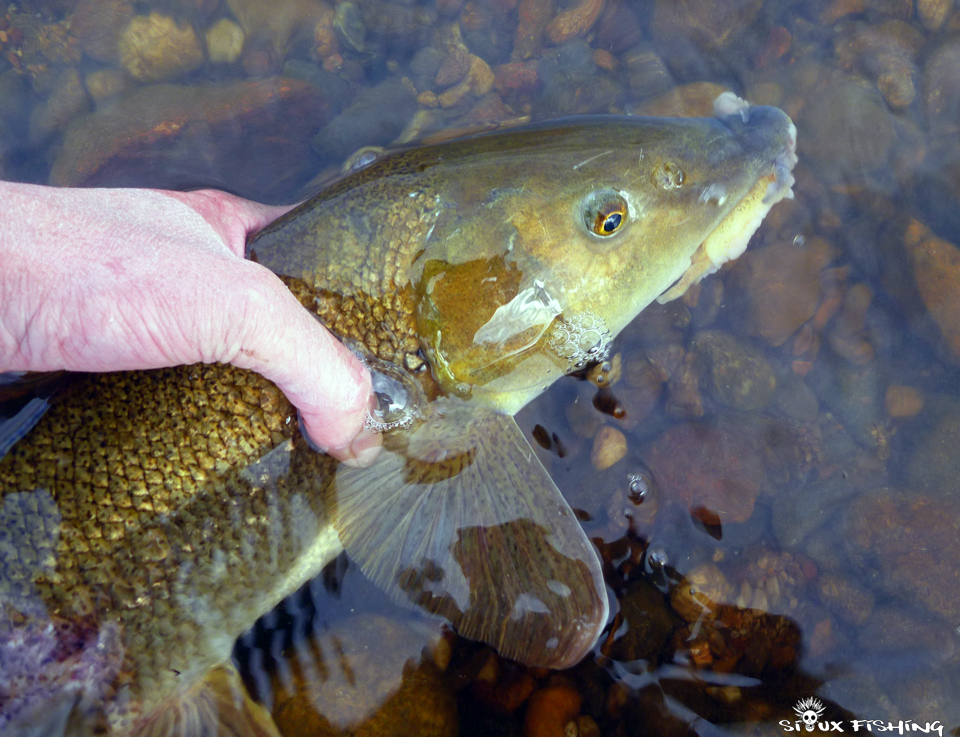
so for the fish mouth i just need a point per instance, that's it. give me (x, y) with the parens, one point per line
(762, 130)
(766, 128)
(782, 186)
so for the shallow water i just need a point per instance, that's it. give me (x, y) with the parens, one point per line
(783, 439)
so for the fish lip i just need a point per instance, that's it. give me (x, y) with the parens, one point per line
(741, 118)
(786, 159)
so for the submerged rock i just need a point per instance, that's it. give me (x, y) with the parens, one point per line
(934, 463)
(715, 469)
(908, 544)
(224, 42)
(179, 137)
(365, 678)
(941, 86)
(647, 624)
(849, 132)
(154, 48)
(572, 82)
(781, 286)
(936, 269)
(375, 118)
(270, 27)
(735, 374)
(67, 101)
(98, 25)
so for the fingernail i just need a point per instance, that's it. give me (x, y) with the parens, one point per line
(364, 449)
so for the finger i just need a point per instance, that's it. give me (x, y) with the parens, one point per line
(281, 340)
(232, 217)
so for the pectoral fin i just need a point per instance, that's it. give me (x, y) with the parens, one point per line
(459, 517)
(24, 399)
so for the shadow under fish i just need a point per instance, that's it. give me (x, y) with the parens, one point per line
(150, 517)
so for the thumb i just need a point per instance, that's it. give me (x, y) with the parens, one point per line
(282, 341)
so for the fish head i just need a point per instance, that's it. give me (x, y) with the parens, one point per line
(600, 218)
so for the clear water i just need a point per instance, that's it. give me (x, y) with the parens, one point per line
(818, 515)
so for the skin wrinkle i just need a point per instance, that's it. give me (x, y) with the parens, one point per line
(97, 280)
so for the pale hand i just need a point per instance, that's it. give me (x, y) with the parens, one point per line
(119, 279)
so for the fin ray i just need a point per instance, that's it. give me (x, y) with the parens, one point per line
(458, 516)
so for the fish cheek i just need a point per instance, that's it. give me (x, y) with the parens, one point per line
(455, 302)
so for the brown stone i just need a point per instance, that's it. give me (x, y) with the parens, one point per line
(98, 24)
(693, 100)
(933, 13)
(846, 599)
(714, 468)
(534, 17)
(936, 268)
(908, 544)
(618, 27)
(517, 77)
(173, 136)
(782, 285)
(269, 28)
(574, 22)
(551, 709)
(903, 401)
(155, 48)
(710, 23)
(609, 446)
(365, 679)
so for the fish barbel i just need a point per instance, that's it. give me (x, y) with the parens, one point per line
(150, 517)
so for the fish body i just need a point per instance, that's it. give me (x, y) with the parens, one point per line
(150, 517)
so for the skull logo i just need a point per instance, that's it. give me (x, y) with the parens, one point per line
(809, 710)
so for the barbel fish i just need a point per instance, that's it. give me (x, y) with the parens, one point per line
(150, 517)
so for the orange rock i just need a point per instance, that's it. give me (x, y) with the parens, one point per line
(550, 710)
(783, 285)
(534, 16)
(694, 100)
(508, 694)
(839, 9)
(936, 268)
(777, 44)
(903, 401)
(574, 22)
(474, 17)
(517, 77)
(716, 468)
(856, 302)
(605, 60)
(609, 446)
(854, 349)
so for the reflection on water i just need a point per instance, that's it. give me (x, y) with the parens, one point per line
(768, 467)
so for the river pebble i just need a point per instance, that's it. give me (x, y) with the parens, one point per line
(735, 374)
(908, 542)
(118, 144)
(224, 42)
(154, 48)
(365, 678)
(936, 269)
(714, 468)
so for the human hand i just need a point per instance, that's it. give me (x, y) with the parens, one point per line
(121, 279)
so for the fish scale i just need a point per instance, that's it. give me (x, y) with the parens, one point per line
(143, 538)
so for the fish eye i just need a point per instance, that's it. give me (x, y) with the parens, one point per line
(604, 213)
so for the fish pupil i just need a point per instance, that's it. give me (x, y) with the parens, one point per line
(604, 212)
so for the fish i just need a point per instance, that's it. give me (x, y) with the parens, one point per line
(148, 518)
